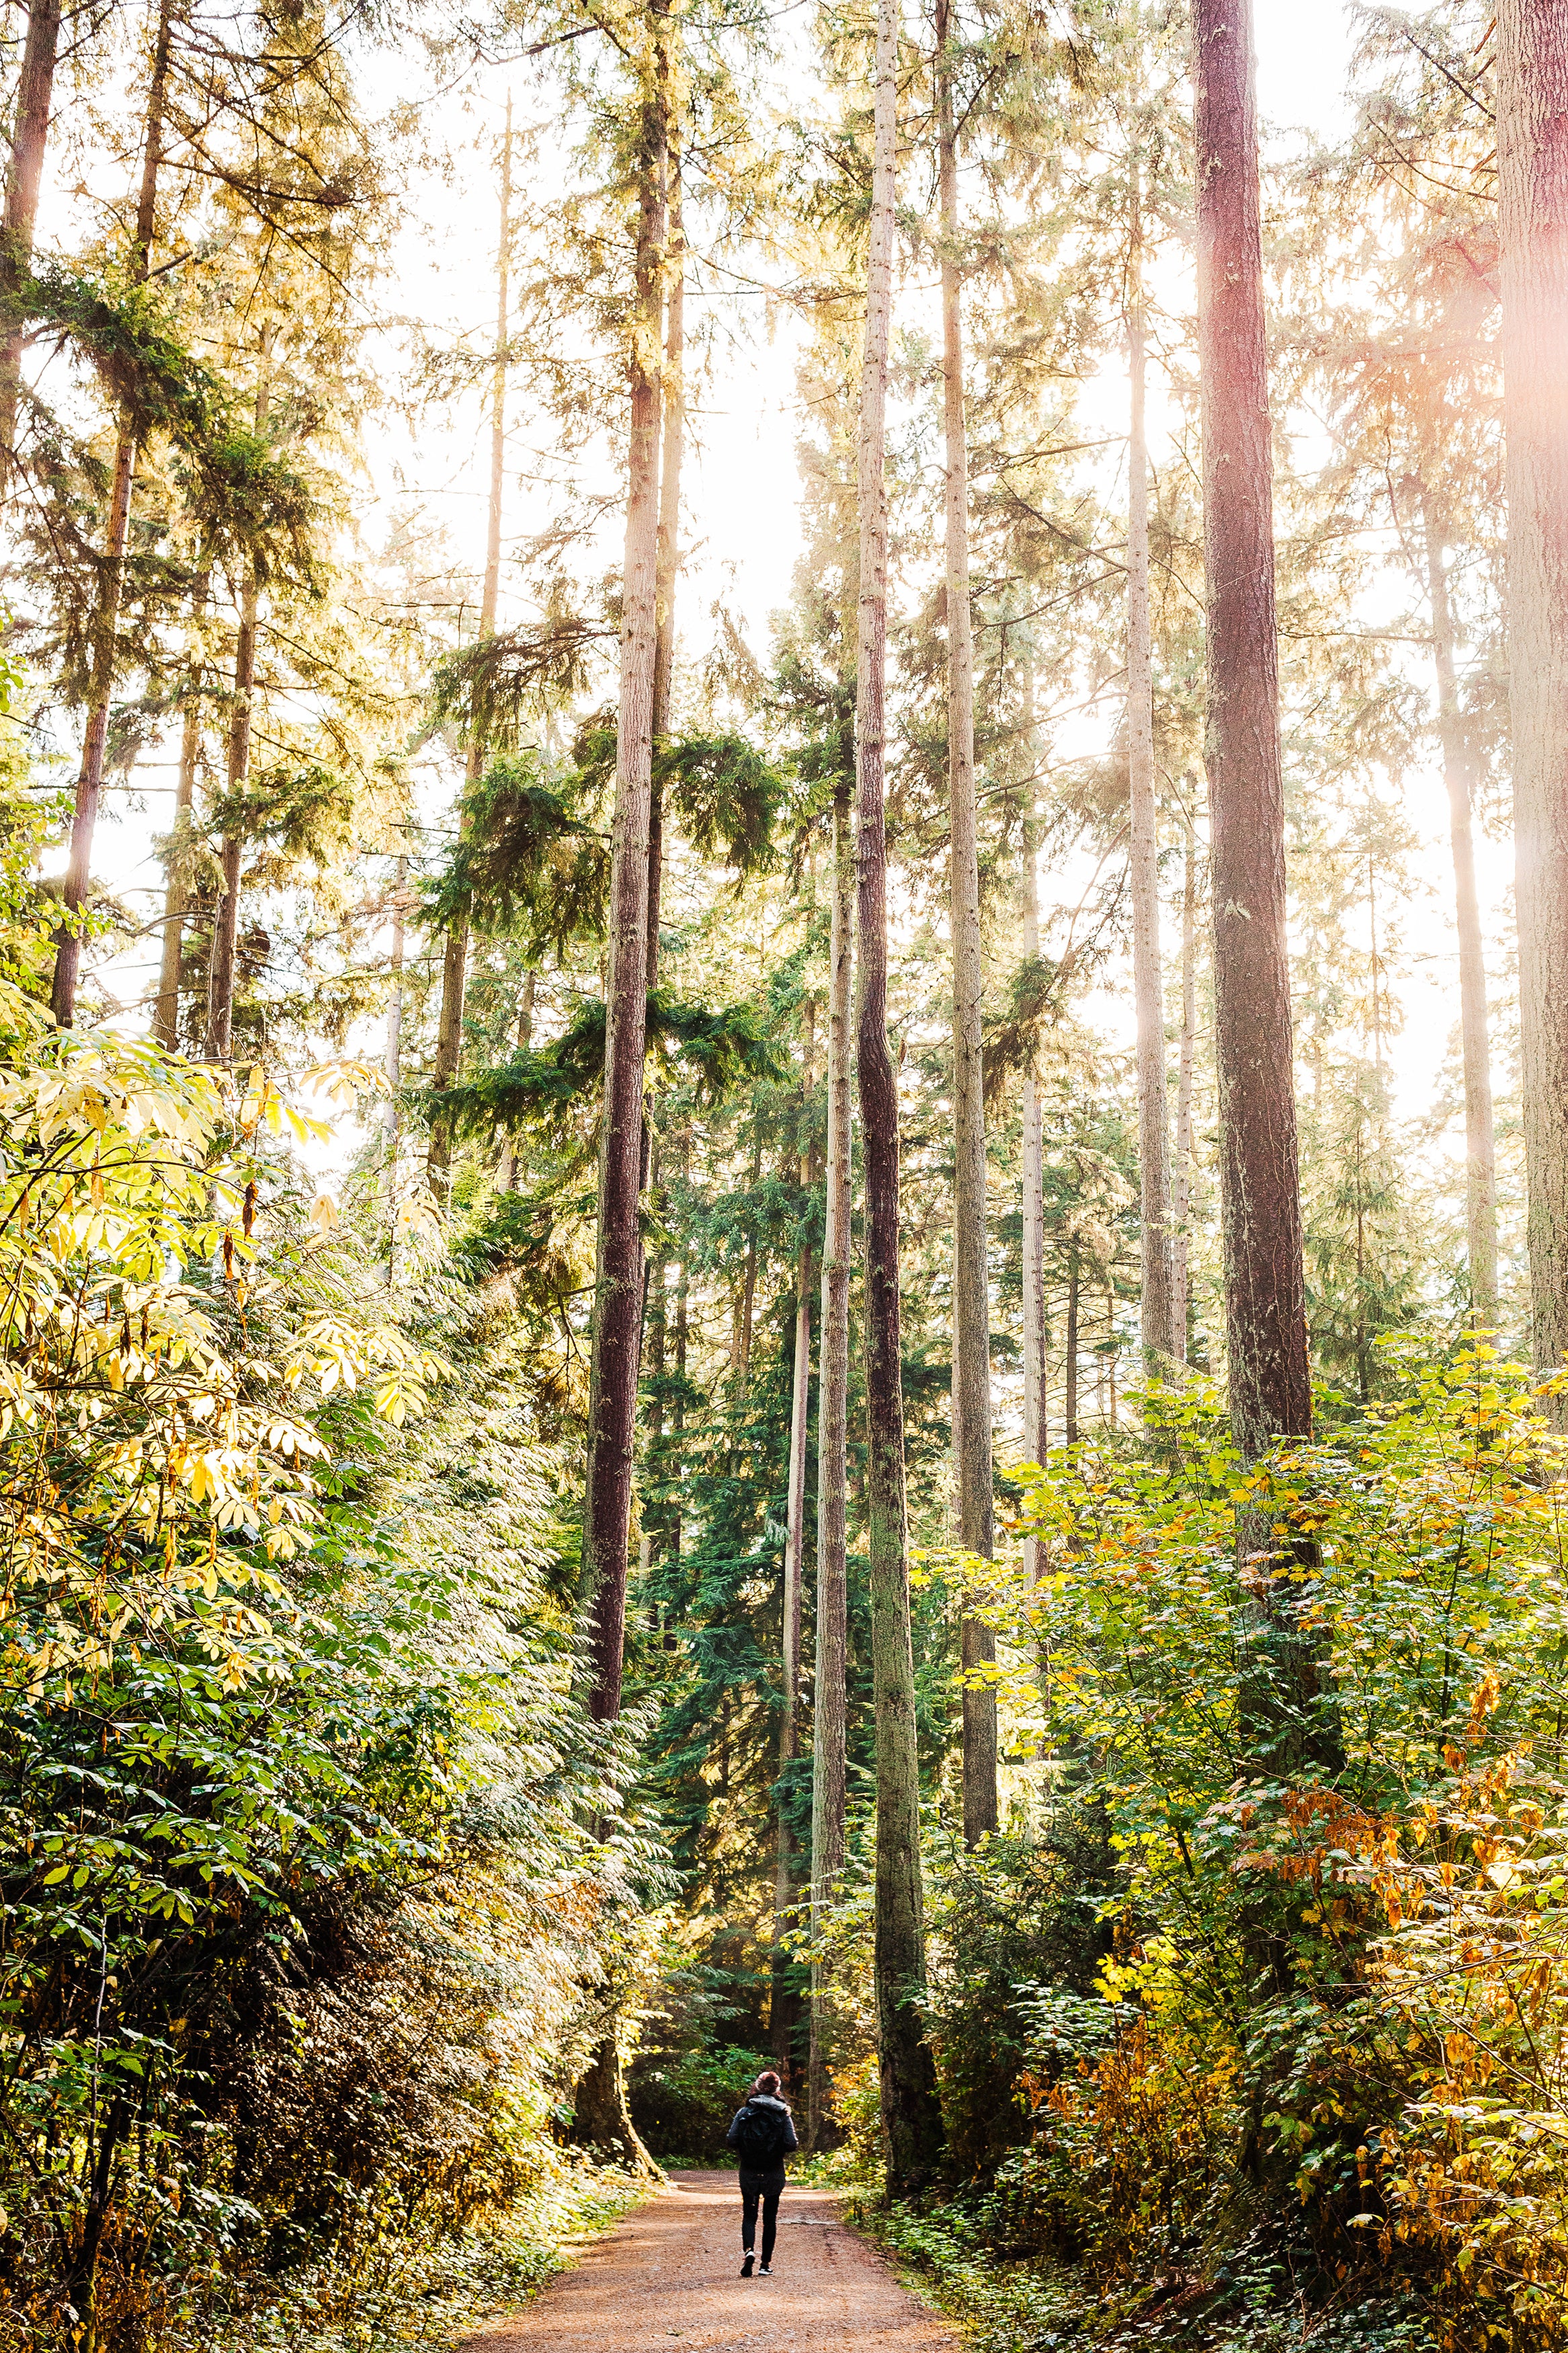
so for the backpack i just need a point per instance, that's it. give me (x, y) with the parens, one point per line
(759, 2137)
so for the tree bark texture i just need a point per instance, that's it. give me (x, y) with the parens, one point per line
(911, 2120)
(1158, 1314)
(1270, 1391)
(112, 572)
(1458, 776)
(24, 178)
(971, 1286)
(448, 1055)
(1182, 1174)
(617, 1301)
(1532, 193)
(830, 1701)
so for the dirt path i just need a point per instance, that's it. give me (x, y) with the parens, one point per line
(669, 2276)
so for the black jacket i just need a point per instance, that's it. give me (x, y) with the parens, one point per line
(775, 2112)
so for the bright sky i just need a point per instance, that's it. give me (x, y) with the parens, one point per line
(742, 532)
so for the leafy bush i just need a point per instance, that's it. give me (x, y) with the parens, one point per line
(1320, 2044)
(303, 1926)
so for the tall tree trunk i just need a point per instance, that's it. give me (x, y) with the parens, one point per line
(166, 1004)
(1159, 1333)
(668, 559)
(678, 1416)
(619, 1273)
(1458, 774)
(785, 1998)
(971, 1290)
(829, 1691)
(911, 2120)
(1285, 1720)
(392, 1061)
(1270, 1390)
(617, 1300)
(507, 1176)
(1071, 1400)
(448, 1054)
(24, 177)
(219, 1045)
(106, 620)
(1532, 191)
(222, 961)
(1182, 1176)
(1036, 1408)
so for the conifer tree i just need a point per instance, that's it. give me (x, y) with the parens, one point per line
(911, 2121)
(1532, 190)
(618, 1299)
(1270, 1389)
(970, 1281)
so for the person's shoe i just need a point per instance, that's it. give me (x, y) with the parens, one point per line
(746, 2267)
(766, 2272)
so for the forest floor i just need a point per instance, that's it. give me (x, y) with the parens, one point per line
(670, 2275)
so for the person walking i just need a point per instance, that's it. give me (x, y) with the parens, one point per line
(762, 2136)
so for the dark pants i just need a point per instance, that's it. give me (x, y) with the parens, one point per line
(769, 2189)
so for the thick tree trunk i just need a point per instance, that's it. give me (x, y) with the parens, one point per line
(448, 1057)
(1270, 1390)
(1182, 1176)
(971, 1287)
(1285, 1721)
(24, 178)
(1458, 774)
(1160, 1330)
(105, 621)
(829, 1691)
(1532, 192)
(617, 1301)
(912, 2119)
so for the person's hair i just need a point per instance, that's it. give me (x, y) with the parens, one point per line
(767, 2082)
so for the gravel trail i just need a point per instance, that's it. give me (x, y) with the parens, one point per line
(669, 2276)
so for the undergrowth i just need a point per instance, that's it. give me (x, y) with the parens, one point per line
(1010, 2301)
(414, 2293)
